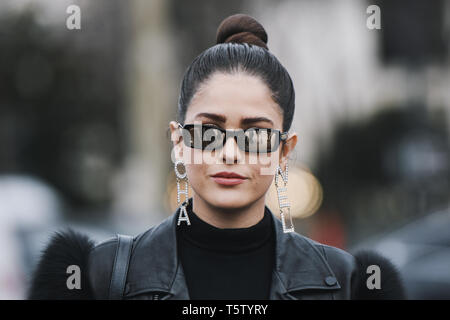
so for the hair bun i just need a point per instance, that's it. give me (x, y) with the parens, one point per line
(242, 28)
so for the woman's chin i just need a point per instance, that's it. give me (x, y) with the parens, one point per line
(230, 200)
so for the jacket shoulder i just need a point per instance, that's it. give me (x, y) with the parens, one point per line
(101, 262)
(355, 270)
(99, 267)
(68, 248)
(343, 264)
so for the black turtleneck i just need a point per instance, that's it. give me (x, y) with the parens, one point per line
(226, 263)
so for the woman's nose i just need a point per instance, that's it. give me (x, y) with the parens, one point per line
(231, 152)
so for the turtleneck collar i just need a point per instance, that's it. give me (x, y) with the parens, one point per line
(235, 240)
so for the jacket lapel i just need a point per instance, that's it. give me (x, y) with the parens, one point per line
(298, 265)
(155, 267)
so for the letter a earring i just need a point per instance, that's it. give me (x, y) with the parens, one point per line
(285, 207)
(183, 216)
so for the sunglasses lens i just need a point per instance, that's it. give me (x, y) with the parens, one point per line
(202, 137)
(251, 140)
(261, 140)
(212, 138)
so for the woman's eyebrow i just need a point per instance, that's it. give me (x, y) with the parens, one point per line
(255, 119)
(212, 116)
(244, 121)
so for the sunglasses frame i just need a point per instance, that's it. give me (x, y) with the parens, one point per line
(282, 136)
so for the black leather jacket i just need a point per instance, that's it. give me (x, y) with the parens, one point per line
(304, 269)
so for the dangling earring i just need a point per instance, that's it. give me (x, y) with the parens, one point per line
(182, 176)
(285, 207)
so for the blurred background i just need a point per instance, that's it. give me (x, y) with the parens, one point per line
(84, 116)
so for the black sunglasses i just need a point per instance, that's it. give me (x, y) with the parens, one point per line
(210, 137)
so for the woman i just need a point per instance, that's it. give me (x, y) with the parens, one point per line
(224, 242)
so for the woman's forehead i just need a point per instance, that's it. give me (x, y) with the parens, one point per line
(234, 97)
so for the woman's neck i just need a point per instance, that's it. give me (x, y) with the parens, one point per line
(220, 217)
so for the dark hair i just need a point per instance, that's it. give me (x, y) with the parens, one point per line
(241, 46)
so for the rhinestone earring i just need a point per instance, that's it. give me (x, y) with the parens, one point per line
(182, 176)
(285, 207)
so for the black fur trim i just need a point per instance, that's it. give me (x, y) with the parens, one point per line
(390, 280)
(49, 279)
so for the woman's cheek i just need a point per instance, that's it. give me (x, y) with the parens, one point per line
(261, 182)
(196, 177)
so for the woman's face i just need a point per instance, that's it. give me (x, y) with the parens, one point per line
(232, 101)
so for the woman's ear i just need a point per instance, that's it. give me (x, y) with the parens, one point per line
(176, 137)
(287, 147)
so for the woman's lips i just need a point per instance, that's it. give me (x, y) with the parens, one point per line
(228, 181)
